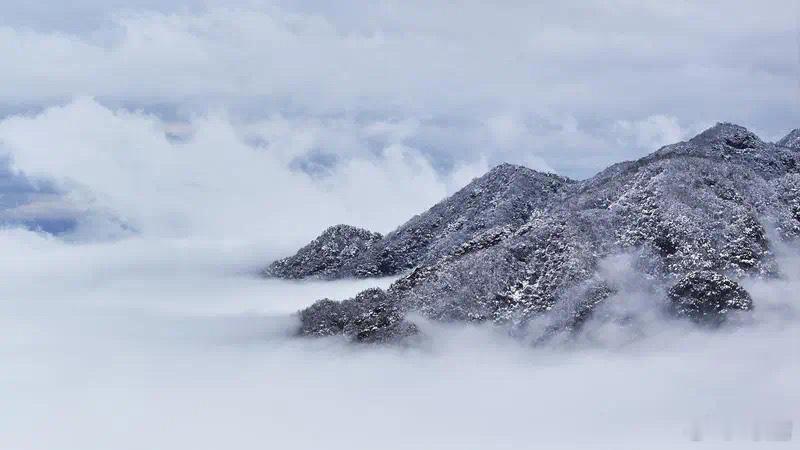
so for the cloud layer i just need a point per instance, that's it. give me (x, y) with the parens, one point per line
(518, 81)
(146, 342)
(122, 173)
(192, 142)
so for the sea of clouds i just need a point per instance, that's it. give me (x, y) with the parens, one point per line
(143, 343)
(147, 325)
(180, 146)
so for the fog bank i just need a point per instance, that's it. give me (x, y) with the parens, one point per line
(175, 344)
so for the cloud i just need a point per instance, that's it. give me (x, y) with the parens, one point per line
(447, 72)
(193, 142)
(105, 343)
(222, 180)
(652, 132)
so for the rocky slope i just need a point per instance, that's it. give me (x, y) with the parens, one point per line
(507, 195)
(696, 217)
(333, 253)
(791, 140)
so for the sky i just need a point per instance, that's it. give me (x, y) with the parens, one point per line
(567, 87)
(155, 155)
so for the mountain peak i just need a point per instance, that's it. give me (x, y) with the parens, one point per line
(350, 230)
(507, 170)
(504, 197)
(728, 134)
(508, 167)
(327, 254)
(791, 140)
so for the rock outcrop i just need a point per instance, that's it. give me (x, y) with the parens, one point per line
(506, 196)
(516, 245)
(327, 256)
(706, 297)
(371, 316)
(791, 140)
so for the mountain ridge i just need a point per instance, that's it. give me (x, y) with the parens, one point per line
(505, 195)
(695, 216)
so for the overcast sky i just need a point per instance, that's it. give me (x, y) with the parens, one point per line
(568, 86)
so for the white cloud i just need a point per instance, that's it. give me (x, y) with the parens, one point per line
(214, 183)
(148, 342)
(651, 132)
(226, 133)
(449, 67)
(505, 129)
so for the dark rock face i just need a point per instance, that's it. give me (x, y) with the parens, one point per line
(369, 317)
(695, 215)
(326, 256)
(706, 297)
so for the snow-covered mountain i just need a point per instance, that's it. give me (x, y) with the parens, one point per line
(517, 245)
(506, 195)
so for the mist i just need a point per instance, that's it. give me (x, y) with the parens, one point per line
(145, 342)
(155, 156)
(148, 325)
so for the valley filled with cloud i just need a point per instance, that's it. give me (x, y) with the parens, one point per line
(156, 156)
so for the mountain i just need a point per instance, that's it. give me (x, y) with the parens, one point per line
(328, 256)
(694, 219)
(505, 196)
(791, 140)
